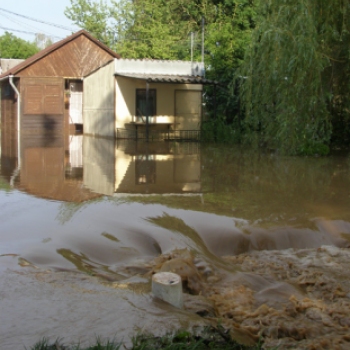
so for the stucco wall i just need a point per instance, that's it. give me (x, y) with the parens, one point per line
(99, 102)
(165, 97)
(8, 63)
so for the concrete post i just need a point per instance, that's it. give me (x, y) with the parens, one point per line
(167, 286)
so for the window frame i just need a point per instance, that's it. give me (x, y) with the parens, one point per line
(141, 95)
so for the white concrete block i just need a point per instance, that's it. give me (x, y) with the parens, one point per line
(167, 286)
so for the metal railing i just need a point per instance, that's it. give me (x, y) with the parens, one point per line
(170, 135)
(185, 135)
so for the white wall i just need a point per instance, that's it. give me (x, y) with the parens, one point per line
(8, 63)
(110, 102)
(165, 97)
(99, 102)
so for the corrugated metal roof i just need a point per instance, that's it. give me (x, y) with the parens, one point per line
(159, 67)
(169, 79)
(15, 70)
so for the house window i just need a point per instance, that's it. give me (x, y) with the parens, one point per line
(8, 90)
(141, 103)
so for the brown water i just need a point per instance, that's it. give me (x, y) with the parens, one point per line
(261, 242)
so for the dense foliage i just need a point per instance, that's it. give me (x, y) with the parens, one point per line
(14, 47)
(161, 29)
(291, 89)
(295, 79)
(95, 17)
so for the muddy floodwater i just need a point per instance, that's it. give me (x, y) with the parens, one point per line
(261, 242)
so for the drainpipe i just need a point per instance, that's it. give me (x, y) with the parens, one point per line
(18, 118)
(16, 172)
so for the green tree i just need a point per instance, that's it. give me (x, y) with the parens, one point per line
(145, 29)
(95, 17)
(227, 37)
(161, 29)
(295, 78)
(156, 29)
(153, 29)
(14, 47)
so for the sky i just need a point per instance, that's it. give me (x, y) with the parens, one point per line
(51, 11)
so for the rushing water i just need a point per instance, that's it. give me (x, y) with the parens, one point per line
(261, 241)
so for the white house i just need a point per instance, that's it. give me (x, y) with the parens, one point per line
(138, 98)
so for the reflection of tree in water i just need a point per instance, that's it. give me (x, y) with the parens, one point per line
(68, 210)
(175, 224)
(4, 185)
(268, 187)
(260, 187)
(85, 265)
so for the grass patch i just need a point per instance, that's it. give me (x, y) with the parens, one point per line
(57, 345)
(211, 338)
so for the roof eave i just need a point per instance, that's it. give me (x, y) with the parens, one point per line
(169, 80)
(43, 53)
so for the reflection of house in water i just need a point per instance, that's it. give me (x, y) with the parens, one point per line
(41, 103)
(145, 169)
(48, 169)
(74, 166)
(91, 167)
(141, 168)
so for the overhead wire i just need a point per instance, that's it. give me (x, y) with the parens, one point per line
(26, 32)
(72, 30)
(38, 20)
(29, 28)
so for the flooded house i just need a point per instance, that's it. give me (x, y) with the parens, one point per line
(80, 84)
(144, 99)
(44, 92)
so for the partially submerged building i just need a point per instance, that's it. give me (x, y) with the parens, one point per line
(144, 99)
(44, 92)
(80, 82)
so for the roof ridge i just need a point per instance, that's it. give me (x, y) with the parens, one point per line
(55, 46)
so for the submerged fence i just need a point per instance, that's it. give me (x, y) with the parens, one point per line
(170, 135)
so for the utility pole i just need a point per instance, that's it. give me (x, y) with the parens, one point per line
(192, 36)
(203, 39)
